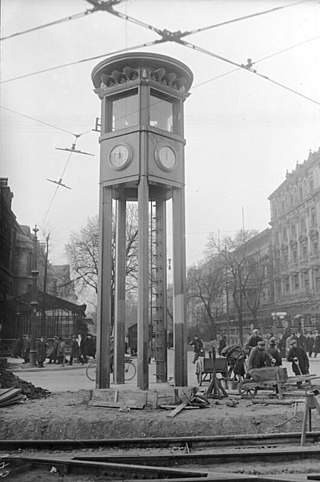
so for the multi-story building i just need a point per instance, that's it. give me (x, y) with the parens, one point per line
(20, 254)
(295, 224)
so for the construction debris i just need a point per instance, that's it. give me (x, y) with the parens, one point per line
(9, 380)
(194, 401)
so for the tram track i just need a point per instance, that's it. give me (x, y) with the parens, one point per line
(288, 438)
(176, 459)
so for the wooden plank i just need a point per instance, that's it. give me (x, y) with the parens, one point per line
(177, 410)
(187, 407)
(9, 393)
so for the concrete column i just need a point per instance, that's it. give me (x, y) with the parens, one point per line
(104, 289)
(120, 285)
(143, 284)
(179, 287)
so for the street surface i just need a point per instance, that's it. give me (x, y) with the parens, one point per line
(56, 378)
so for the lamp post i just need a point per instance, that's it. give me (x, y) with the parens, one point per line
(34, 302)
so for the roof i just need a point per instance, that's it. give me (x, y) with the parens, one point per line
(22, 304)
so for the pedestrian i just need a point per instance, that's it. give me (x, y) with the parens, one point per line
(233, 353)
(75, 350)
(25, 352)
(84, 348)
(274, 352)
(197, 347)
(316, 347)
(17, 348)
(41, 351)
(299, 359)
(254, 338)
(309, 344)
(259, 358)
(53, 357)
(288, 341)
(301, 340)
(222, 344)
(61, 352)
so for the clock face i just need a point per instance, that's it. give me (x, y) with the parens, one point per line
(120, 156)
(166, 158)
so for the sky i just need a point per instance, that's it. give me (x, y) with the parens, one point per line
(243, 132)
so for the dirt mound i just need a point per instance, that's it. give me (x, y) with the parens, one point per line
(9, 380)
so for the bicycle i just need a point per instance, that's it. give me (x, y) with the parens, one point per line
(129, 369)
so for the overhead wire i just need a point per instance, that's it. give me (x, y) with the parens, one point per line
(245, 17)
(164, 38)
(37, 120)
(278, 52)
(245, 67)
(50, 24)
(88, 59)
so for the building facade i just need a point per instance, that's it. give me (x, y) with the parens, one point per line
(295, 223)
(56, 309)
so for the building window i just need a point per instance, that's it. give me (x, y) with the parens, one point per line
(296, 281)
(300, 193)
(313, 218)
(286, 284)
(304, 251)
(318, 284)
(315, 247)
(122, 111)
(294, 255)
(165, 112)
(311, 184)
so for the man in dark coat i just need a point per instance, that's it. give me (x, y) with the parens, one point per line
(254, 338)
(222, 344)
(75, 350)
(25, 352)
(274, 352)
(309, 344)
(259, 358)
(197, 347)
(299, 359)
(41, 351)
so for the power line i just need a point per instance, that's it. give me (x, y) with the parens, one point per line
(50, 24)
(248, 68)
(257, 61)
(37, 120)
(246, 17)
(148, 44)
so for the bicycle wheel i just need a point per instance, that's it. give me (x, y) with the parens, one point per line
(91, 371)
(129, 370)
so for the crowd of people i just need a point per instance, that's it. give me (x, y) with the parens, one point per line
(263, 351)
(60, 351)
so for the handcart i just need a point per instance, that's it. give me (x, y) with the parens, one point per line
(268, 378)
(207, 367)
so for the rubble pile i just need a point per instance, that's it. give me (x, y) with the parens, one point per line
(9, 380)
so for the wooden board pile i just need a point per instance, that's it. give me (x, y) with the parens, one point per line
(10, 396)
(9, 380)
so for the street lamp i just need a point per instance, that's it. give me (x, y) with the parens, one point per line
(34, 302)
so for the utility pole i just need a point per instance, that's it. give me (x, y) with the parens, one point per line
(34, 302)
(45, 279)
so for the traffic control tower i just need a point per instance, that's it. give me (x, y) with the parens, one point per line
(142, 159)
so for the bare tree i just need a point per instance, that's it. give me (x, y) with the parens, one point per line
(82, 253)
(233, 252)
(205, 287)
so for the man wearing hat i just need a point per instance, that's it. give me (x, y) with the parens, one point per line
(254, 338)
(299, 359)
(259, 358)
(274, 352)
